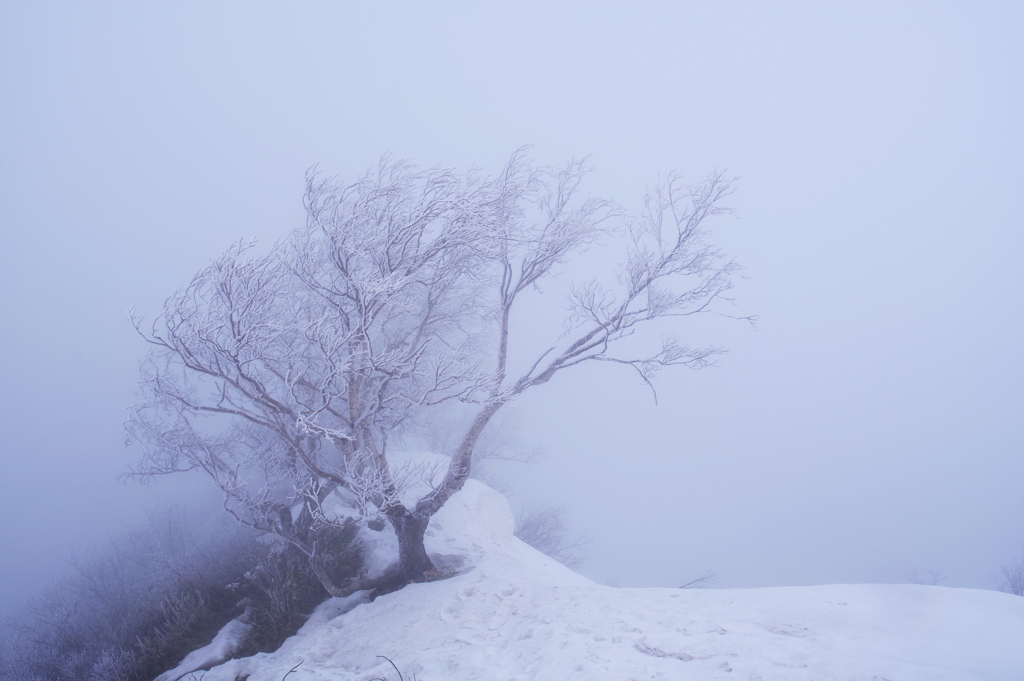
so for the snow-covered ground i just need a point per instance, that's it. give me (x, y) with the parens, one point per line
(514, 614)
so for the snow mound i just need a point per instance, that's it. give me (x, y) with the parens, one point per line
(514, 614)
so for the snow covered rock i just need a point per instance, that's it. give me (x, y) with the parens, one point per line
(514, 614)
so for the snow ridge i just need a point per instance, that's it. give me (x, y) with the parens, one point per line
(514, 614)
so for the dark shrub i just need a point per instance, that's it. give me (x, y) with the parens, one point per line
(136, 609)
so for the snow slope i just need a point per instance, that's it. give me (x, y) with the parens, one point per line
(514, 614)
(224, 644)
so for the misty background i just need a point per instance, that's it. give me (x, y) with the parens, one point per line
(869, 428)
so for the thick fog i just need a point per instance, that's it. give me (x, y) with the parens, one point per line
(870, 426)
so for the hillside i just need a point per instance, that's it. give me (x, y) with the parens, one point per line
(514, 614)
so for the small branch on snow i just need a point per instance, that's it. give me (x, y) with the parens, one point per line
(394, 666)
(292, 669)
(658, 652)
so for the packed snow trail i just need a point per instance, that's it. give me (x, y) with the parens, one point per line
(517, 615)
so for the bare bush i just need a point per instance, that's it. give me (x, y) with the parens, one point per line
(136, 608)
(703, 581)
(284, 589)
(545, 529)
(151, 595)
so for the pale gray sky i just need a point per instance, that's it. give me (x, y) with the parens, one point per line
(870, 427)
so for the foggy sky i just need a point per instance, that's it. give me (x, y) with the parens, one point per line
(871, 426)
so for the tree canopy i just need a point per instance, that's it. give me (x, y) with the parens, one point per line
(285, 377)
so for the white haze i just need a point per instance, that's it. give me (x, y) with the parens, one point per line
(870, 427)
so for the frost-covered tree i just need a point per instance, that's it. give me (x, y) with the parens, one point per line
(285, 377)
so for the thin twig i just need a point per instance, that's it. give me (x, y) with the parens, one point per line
(292, 669)
(394, 666)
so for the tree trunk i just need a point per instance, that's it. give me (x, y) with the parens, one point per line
(459, 468)
(413, 562)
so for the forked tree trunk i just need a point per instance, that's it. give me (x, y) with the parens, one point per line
(413, 561)
(411, 525)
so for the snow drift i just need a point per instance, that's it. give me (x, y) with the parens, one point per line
(513, 614)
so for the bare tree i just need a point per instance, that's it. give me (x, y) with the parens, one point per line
(284, 377)
(1013, 578)
(930, 577)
